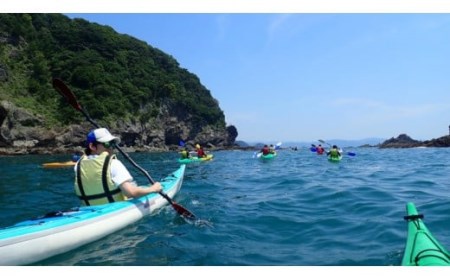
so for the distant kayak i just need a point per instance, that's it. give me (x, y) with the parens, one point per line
(196, 159)
(59, 164)
(422, 249)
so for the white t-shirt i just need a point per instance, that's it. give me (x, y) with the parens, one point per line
(119, 173)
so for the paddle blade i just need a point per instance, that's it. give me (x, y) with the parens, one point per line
(351, 154)
(277, 146)
(313, 149)
(62, 88)
(186, 214)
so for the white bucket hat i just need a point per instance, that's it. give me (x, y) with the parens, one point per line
(101, 135)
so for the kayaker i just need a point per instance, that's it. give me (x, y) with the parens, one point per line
(319, 149)
(185, 153)
(100, 177)
(271, 149)
(265, 150)
(334, 152)
(200, 152)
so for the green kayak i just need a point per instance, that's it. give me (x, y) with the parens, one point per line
(267, 156)
(195, 159)
(335, 159)
(422, 249)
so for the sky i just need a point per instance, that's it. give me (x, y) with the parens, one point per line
(305, 76)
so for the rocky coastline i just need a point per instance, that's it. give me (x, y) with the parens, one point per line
(22, 132)
(405, 141)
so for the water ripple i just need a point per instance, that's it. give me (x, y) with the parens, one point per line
(297, 209)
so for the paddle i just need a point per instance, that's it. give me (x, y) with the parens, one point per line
(278, 145)
(322, 141)
(62, 88)
(257, 154)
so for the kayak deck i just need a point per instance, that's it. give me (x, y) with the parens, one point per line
(422, 249)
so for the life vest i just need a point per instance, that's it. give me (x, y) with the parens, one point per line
(320, 150)
(184, 154)
(200, 153)
(334, 153)
(93, 183)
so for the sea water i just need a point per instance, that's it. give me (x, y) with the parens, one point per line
(298, 209)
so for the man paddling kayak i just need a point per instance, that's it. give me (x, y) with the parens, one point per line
(334, 152)
(100, 177)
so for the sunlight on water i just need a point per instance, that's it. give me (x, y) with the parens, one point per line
(296, 209)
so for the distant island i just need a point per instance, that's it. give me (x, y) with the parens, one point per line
(405, 141)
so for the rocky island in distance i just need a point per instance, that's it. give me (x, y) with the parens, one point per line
(405, 141)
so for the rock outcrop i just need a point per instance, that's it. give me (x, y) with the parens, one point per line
(404, 141)
(21, 132)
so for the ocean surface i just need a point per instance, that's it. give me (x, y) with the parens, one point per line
(295, 210)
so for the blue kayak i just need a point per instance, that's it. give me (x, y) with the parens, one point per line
(58, 232)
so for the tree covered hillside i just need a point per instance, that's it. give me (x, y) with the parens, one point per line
(114, 76)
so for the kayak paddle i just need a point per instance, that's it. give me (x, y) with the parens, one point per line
(322, 141)
(278, 145)
(62, 88)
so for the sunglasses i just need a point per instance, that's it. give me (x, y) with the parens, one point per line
(108, 144)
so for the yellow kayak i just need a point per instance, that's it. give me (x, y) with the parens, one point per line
(59, 164)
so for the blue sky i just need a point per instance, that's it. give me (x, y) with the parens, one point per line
(307, 76)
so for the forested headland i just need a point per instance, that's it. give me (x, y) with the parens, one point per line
(137, 91)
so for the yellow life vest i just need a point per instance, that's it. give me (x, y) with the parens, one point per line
(184, 154)
(334, 153)
(93, 183)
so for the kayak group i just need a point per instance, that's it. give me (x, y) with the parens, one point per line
(199, 155)
(110, 201)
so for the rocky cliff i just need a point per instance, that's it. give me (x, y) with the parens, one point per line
(22, 132)
(404, 141)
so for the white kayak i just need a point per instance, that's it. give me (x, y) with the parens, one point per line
(59, 232)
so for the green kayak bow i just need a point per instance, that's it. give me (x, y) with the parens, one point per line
(422, 249)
